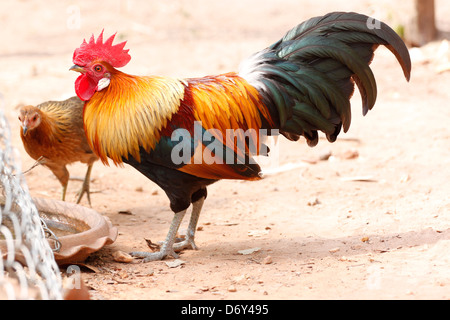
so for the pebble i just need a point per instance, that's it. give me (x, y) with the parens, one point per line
(268, 260)
(232, 288)
(325, 155)
(350, 154)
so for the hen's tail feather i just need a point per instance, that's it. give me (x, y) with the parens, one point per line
(306, 79)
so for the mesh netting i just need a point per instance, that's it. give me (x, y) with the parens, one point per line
(27, 266)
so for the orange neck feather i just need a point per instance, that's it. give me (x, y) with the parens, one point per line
(130, 113)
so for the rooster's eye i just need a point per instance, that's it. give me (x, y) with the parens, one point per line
(98, 68)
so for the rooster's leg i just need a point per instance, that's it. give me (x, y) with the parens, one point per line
(85, 187)
(189, 243)
(167, 246)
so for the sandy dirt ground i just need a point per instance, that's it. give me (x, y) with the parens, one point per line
(371, 221)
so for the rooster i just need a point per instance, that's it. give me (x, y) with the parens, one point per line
(52, 133)
(176, 131)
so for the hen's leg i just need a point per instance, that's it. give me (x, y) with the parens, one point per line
(62, 174)
(63, 192)
(167, 246)
(189, 243)
(85, 187)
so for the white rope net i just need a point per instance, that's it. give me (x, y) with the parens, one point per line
(27, 266)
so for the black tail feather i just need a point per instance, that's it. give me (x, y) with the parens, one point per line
(307, 78)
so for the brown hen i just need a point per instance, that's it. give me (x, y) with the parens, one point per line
(53, 134)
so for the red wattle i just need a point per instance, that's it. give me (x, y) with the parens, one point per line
(84, 87)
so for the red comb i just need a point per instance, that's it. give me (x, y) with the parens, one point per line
(93, 50)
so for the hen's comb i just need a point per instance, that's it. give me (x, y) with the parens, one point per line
(115, 55)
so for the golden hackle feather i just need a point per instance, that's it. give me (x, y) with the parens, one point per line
(129, 114)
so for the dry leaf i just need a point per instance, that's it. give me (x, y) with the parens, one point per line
(153, 246)
(249, 251)
(120, 256)
(175, 263)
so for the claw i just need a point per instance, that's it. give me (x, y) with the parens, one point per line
(185, 244)
(154, 256)
(85, 187)
(167, 247)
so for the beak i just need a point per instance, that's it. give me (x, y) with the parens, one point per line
(25, 130)
(77, 68)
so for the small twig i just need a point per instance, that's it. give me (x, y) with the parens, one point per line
(39, 161)
(349, 139)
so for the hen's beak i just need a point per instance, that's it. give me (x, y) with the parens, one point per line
(77, 68)
(25, 130)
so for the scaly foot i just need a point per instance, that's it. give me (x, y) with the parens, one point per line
(169, 246)
(154, 256)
